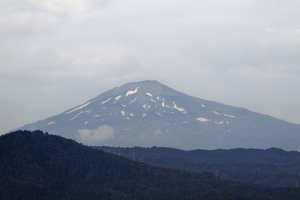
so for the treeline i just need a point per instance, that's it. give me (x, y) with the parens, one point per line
(36, 165)
(272, 167)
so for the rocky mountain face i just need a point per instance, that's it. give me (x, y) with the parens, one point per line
(149, 113)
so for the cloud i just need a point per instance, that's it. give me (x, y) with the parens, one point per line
(215, 50)
(271, 29)
(34, 17)
(94, 137)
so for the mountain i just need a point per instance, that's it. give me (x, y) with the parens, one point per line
(273, 167)
(148, 113)
(36, 165)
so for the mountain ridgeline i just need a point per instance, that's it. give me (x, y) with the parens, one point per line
(36, 165)
(148, 113)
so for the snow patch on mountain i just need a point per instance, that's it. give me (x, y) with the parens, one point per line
(221, 122)
(179, 109)
(201, 119)
(123, 112)
(229, 116)
(103, 102)
(132, 92)
(76, 115)
(80, 107)
(146, 107)
(149, 94)
(118, 97)
(51, 123)
(132, 101)
(216, 113)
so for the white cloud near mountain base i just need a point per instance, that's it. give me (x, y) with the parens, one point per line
(94, 137)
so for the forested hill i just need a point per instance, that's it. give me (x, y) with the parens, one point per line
(35, 165)
(272, 166)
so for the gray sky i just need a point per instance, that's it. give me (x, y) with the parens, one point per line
(55, 55)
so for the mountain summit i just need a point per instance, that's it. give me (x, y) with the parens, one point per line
(148, 113)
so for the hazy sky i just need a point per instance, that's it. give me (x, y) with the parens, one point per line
(55, 54)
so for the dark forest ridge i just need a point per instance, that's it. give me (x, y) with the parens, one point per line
(268, 167)
(36, 165)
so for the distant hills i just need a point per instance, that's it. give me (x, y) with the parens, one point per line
(36, 165)
(267, 167)
(148, 113)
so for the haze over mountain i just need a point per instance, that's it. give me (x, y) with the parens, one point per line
(148, 113)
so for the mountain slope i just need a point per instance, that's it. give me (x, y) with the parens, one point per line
(149, 113)
(35, 165)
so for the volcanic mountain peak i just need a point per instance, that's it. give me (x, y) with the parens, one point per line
(135, 99)
(148, 113)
